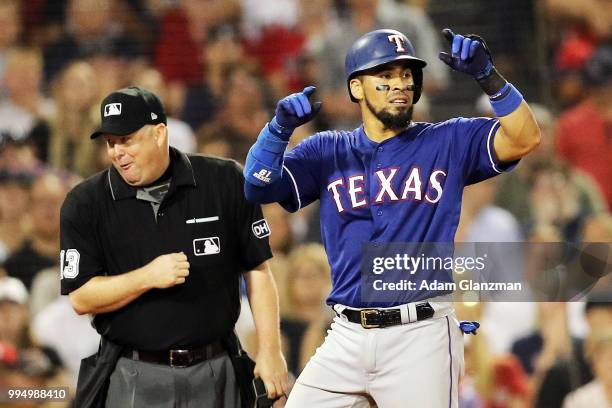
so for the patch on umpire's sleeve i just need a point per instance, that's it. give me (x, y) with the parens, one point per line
(260, 228)
(69, 263)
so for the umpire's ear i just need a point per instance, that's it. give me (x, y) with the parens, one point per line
(356, 89)
(160, 133)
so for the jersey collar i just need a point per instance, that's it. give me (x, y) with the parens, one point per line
(364, 141)
(182, 175)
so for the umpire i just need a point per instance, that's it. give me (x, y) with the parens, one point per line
(154, 248)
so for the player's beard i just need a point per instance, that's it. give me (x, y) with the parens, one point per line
(400, 120)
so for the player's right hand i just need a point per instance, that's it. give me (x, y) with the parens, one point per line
(294, 110)
(469, 54)
(168, 270)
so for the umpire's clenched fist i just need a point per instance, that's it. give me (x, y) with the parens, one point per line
(168, 270)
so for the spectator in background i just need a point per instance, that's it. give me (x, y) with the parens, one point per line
(576, 30)
(180, 133)
(313, 22)
(138, 21)
(584, 133)
(180, 49)
(550, 344)
(25, 106)
(554, 201)
(14, 205)
(13, 311)
(492, 380)
(281, 240)
(597, 393)
(22, 363)
(57, 326)
(75, 118)
(591, 17)
(308, 283)
(212, 142)
(598, 260)
(44, 290)
(242, 111)
(223, 52)
(484, 222)
(562, 272)
(10, 21)
(544, 190)
(20, 156)
(90, 32)
(277, 37)
(41, 248)
(566, 376)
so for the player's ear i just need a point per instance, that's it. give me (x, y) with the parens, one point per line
(356, 88)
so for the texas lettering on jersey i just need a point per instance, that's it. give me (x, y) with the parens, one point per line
(353, 188)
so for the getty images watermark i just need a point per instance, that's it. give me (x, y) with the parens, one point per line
(404, 263)
(404, 272)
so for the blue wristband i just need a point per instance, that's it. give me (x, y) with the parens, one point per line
(506, 101)
(503, 91)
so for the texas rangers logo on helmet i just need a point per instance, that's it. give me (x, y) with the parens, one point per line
(399, 42)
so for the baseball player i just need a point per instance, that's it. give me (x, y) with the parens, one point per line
(389, 180)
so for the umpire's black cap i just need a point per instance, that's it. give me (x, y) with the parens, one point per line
(127, 110)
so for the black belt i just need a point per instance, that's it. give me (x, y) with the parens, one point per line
(374, 318)
(177, 358)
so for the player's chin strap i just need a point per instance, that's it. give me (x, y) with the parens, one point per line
(264, 163)
(468, 327)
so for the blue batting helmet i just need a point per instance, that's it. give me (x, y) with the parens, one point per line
(380, 47)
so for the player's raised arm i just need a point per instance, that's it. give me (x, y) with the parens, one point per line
(263, 170)
(519, 133)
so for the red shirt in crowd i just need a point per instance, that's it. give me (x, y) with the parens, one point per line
(177, 55)
(584, 139)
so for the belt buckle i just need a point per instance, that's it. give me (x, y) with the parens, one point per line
(179, 358)
(364, 318)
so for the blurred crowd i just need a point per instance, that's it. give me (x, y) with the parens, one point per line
(219, 66)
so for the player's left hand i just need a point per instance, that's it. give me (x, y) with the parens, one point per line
(469, 54)
(272, 369)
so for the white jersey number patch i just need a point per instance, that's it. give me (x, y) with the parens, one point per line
(69, 261)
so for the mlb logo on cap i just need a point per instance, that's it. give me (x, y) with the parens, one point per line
(112, 109)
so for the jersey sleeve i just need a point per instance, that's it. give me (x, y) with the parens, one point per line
(302, 166)
(80, 255)
(475, 138)
(252, 228)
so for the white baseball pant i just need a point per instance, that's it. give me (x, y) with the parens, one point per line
(409, 365)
